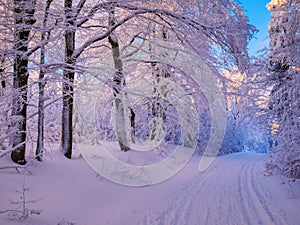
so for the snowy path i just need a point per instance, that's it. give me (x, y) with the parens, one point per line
(232, 191)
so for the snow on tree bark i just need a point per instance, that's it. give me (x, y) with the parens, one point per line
(24, 20)
(41, 109)
(68, 82)
(118, 85)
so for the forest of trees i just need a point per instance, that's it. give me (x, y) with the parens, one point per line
(47, 48)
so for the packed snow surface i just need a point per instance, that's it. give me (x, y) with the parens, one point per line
(234, 190)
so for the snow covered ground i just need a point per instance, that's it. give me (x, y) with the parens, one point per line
(232, 191)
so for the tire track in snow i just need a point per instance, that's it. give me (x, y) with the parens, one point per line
(263, 197)
(256, 207)
(227, 193)
(188, 198)
(181, 206)
(252, 210)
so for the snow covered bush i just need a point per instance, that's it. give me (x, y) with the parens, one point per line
(284, 104)
(245, 135)
(8, 123)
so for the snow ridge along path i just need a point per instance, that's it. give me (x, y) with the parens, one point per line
(233, 191)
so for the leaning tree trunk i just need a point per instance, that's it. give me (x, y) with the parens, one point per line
(24, 19)
(68, 82)
(41, 110)
(119, 83)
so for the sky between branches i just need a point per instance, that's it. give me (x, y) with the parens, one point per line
(259, 16)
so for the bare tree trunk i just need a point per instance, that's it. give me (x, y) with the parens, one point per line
(2, 94)
(132, 125)
(68, 82)
(119, 83)
(2, 70)
(24, 19)
(3, 84)
(41, 110)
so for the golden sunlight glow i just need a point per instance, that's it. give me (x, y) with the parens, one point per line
(275, 127)
(275, 3)
(235, 80)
